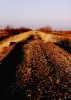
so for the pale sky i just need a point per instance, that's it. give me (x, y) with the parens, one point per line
(36, 13)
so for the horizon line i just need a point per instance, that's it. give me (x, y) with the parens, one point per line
(34, 27)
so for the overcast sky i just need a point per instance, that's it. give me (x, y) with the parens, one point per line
(35, 13)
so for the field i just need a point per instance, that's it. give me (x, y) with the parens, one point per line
(36, 65)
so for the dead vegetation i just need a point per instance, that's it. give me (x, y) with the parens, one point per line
(9, 31)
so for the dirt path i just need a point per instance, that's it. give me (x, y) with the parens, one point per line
(46, 71)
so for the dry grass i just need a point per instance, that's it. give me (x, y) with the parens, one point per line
(54, 38)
